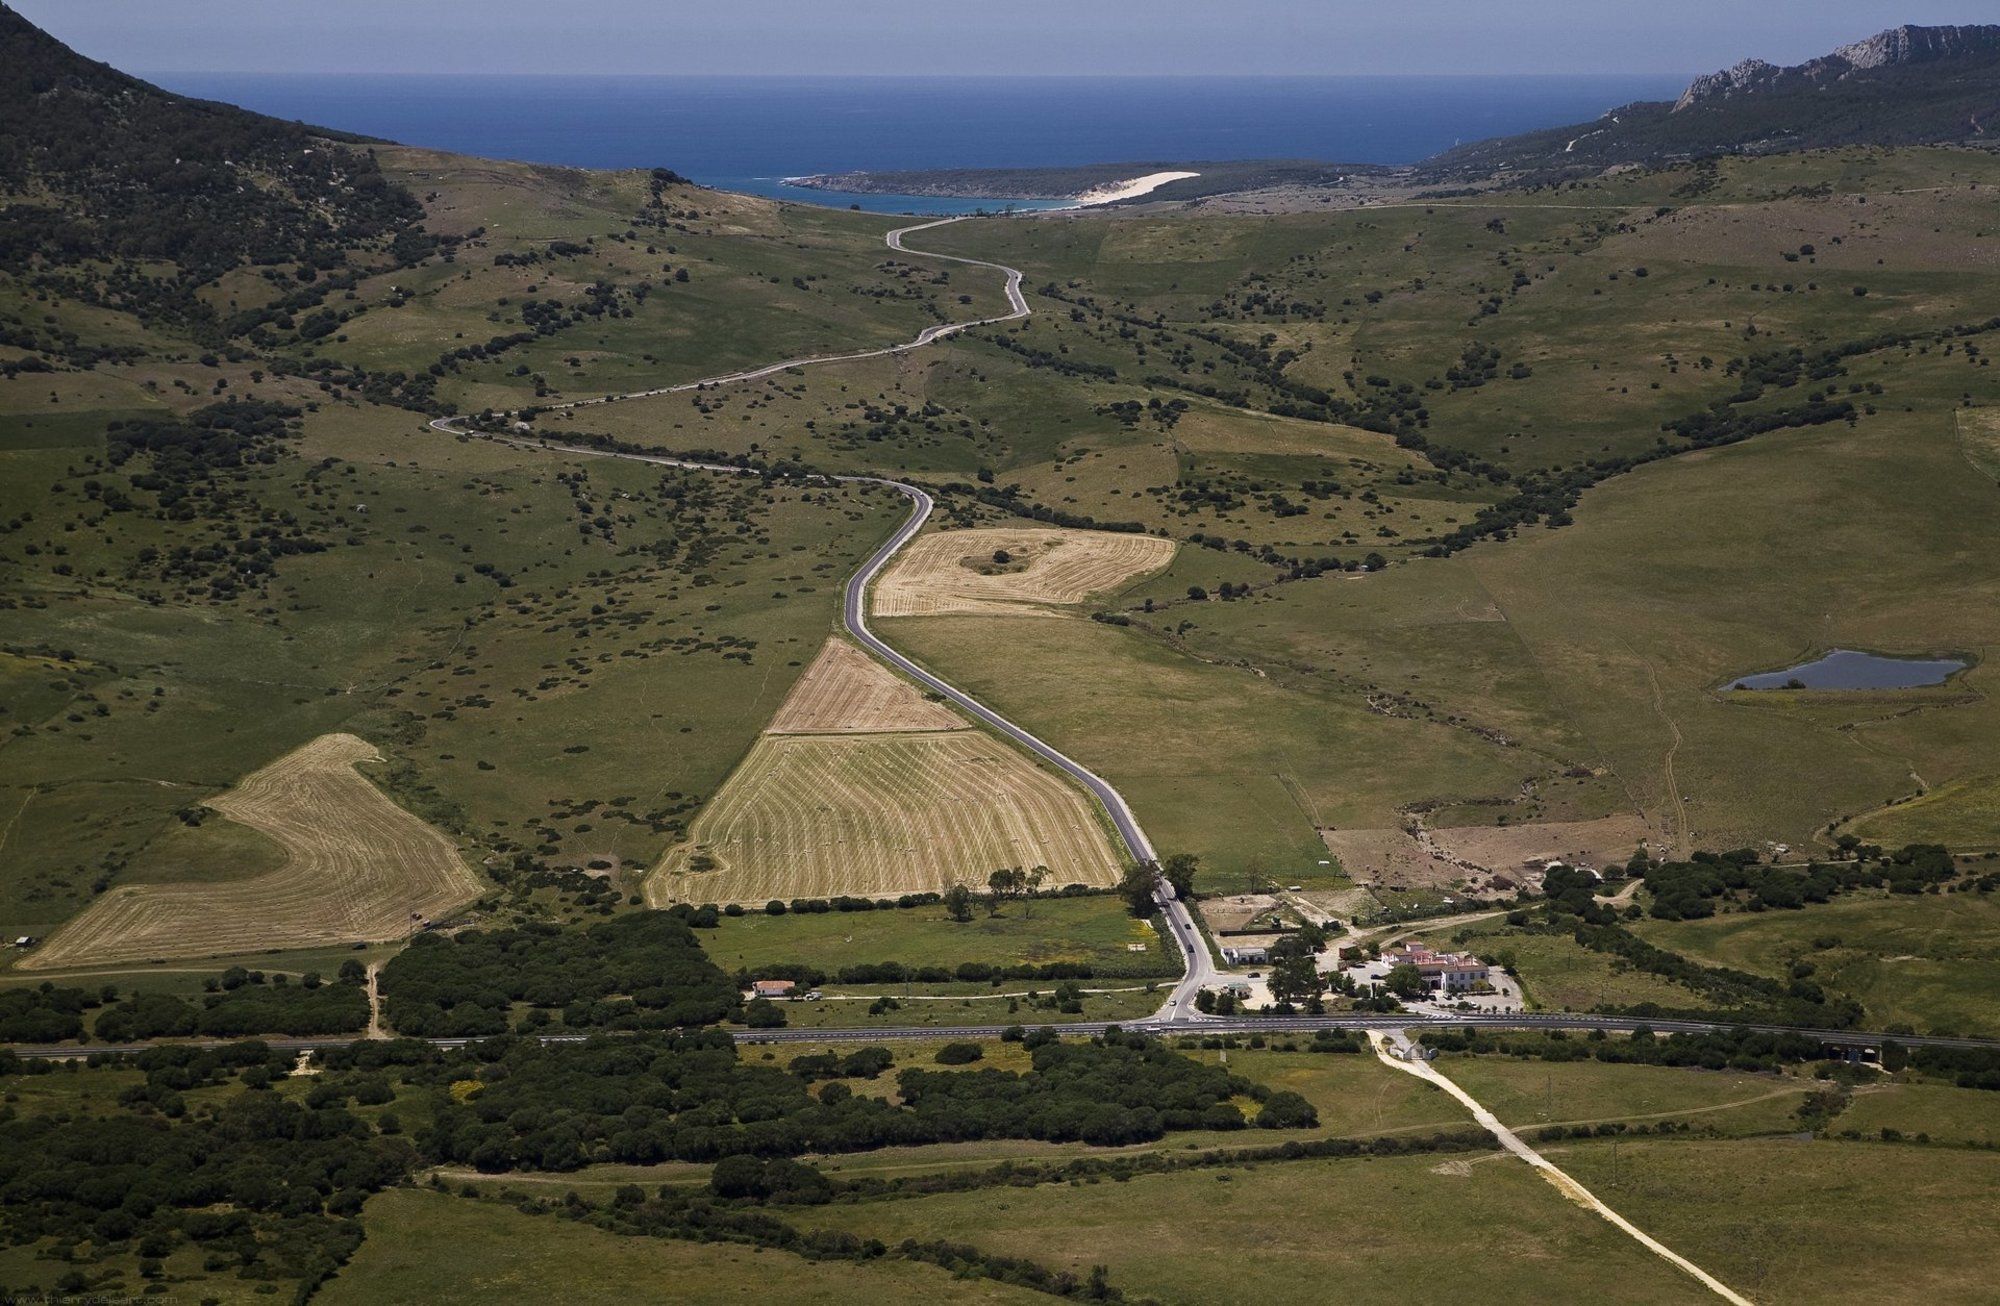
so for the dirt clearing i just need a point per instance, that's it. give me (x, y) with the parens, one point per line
(1473, 854)
(1008, 570)
(357, 869)
(845, 691)
(1506, 849)
(813, 816)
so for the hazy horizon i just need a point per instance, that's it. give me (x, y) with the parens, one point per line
(881, 38)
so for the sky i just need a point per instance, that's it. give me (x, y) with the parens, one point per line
(966, 37)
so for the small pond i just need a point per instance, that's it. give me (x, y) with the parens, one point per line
(1847, 669)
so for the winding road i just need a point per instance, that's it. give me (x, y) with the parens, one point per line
(1199, 964)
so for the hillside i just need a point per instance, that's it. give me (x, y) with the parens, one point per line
(1905, 86)
(99, 167)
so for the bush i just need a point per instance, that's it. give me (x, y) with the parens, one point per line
(959, 1054)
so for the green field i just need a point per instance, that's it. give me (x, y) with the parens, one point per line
(1803, 1221)
(1096, 930)
(1531, 1094)
(1003, 1002)
(1941, 1113)
(1559, 974)
(1930, 962)
(428, 1246)
(1281, 1232)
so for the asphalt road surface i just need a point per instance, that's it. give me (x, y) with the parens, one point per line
(1833, 1038)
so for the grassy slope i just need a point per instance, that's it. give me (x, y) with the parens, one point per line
(1931, 962)
(392, 633)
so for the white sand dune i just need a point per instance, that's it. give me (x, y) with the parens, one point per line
(1111, 192)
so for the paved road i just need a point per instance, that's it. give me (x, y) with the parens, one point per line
(1200, 966)
(1158, 1025)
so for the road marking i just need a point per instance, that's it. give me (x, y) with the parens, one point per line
(1561, 1181)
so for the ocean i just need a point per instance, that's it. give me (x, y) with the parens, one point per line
(749, 133)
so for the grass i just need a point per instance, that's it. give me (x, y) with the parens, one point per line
(1559, 974)
(1963, 815)
(1795, 1221)
(1096, 930)
(1928, 961)
(1943, 1114)
(1529, 1094)
(1493, 1229)
(1236, 767)
(529, 719)
(424, 1245)
(1002, 1003)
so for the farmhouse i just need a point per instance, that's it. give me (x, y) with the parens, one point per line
(772, 988)
(1444, 972)
(1245, 954)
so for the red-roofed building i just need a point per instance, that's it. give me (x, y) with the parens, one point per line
(1445, 972)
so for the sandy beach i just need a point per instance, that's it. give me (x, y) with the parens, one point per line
(1112, 192)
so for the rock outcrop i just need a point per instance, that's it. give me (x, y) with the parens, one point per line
(1897, 46)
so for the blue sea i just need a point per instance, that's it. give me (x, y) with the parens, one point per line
(749, 133)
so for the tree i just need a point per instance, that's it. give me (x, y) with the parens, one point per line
(1136, 887)
(1008, 882)
(1032, 883)
(958, 901)
(1404, 981)
(1178, 870)
(1294, 976)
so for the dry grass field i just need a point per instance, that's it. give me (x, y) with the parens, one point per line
(880, 815)
(357, 867)
(846, 692)
(1043, 568)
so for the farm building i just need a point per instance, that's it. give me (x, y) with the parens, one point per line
(772, 988)
(1445, 972)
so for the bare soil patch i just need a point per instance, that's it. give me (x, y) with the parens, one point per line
(357, 869)
(1508, 849)
(1390, 857)
(1007, 570)
(845, 691)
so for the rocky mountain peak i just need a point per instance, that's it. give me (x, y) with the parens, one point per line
(1907, 44)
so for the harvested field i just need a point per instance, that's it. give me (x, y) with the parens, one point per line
(358, 866)
(812, 816)
(1042, 569)
(845, 691)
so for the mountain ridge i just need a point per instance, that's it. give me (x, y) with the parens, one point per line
(1906, 85)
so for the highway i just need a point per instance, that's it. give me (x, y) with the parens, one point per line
(1200, 965)
(1195, 1025)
